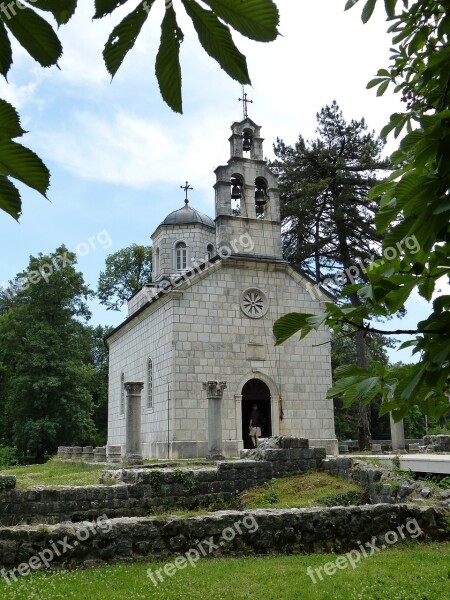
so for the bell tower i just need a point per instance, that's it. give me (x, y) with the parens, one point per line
(247, 197)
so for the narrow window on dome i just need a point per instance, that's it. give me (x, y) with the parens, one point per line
(181, 256)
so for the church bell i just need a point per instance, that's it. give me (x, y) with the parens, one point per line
(247, 145)
(236, 189)
(260, 197)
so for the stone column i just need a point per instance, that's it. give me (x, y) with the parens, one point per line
(397, 435)
(275, 406)
(214, 393)
(133, 449)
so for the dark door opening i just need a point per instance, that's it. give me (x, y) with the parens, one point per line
(256, 392)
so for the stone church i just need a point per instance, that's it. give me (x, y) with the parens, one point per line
(218, 287)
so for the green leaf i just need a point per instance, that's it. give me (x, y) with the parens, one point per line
(396, 119)
(5, 51)
(396, 298)
(10, 198)
(62, 10)
(9, 121)
(124, 35)
(390, 7)
(288, 325)
(373, 82)
(444, 206)
(256, 19)
(350, 3)
(168, 70)
(383, 87)
(408, 387)
(368, 10)
(23, 164)
(217, 41)
(106, 7)
(350, 371)
(35, 35)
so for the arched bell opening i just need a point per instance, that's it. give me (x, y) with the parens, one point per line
(261, 197)
(237, 190)
(247, 140)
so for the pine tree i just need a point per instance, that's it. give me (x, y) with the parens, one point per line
(328, 220)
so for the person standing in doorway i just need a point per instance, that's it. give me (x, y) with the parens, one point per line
(255, 425)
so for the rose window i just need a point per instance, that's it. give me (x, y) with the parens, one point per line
(254, 303)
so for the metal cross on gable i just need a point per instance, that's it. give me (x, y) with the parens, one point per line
(246, 102)
(186, 187)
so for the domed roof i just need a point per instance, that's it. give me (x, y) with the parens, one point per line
(187, 215)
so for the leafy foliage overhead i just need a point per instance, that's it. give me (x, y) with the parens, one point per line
(255, 19)
(413, 216)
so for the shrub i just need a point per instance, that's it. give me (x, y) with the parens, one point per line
(8, 456)
(272, 496)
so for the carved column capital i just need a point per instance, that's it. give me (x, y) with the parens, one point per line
(133, 388)
(214, 389)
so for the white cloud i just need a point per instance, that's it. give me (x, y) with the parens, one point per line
(131, 150)
(17, 95)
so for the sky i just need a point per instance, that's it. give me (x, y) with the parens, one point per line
(118, 155)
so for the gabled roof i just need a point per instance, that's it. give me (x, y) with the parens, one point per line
(172, 284)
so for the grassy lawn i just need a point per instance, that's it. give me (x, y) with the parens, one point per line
(54, 472)
(290, 492)
(59, 472)
(406, 572)
(304, 490)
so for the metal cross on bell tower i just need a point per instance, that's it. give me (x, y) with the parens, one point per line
(245, 102)
(186, 187)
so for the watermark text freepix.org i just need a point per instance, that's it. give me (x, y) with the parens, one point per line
(351, 274)
(57, 548)
(202, 549)
(353, 557)
(102, 239)
(244, 244)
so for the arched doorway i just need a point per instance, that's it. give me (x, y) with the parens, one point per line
(256, 392)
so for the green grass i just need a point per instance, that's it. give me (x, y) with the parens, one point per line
(404, 572)
(54, 472)
(61, 472)
(303, 490)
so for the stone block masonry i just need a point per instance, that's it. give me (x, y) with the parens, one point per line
(137, 491)
(385, 485)
(436, 443)
(293, 531)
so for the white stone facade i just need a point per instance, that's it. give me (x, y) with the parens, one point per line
(215, 323)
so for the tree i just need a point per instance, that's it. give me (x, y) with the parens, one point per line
(324, 184)
(43, 342)
(343, 352)
(255, 19)
(99, 359)
(4, 376)
(413, 220)
(126, 272)
(328, 226)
